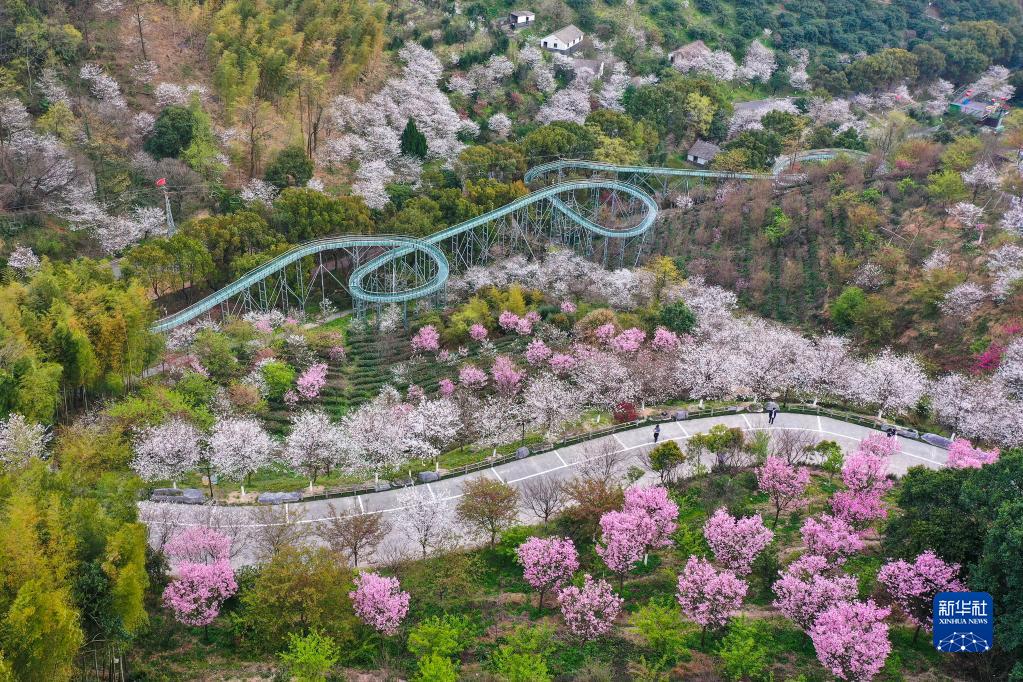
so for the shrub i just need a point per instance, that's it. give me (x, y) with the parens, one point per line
(778, 227)
(520, 667)
(625, 412)
(441, 584)
(215, 354)
(845, 309)
(677, 317)
(173, 132)
(662, 629)
(290, 168)
(510, 540)
(444, 636)
(436, 668)
(279, 377)
(196, 389)
(298, 589)
(743, 657)
(665, 459)
(522, 658)
(309, 658)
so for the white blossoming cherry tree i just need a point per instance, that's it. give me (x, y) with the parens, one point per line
(167, 451)
(315, 445)
(21, 441)
(893, 383)
(238, 447)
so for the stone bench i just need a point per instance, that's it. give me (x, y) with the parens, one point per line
(178, 495)
(278, 498)
(936, 440)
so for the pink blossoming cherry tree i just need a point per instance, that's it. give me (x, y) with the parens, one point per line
(472, 377)
(783, 482)
(624, 540)
(659, 508)
(864, 475)
(831, 537)
(508, 320)
(379, 602)
(537, 352)
(426, 340)
(198, 591)
(665, 340)
(962, 455)
(851, 640)
(913, 586)
(547, 563)
(709, 597)
(507, 378)
(203, 577)
(312, 381)
(806, 590)
(736, 543)
(198, 544)
(589, 611)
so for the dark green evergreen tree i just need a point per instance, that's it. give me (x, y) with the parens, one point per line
(172, 133)
(413, 142)
(291, 168)
(677, 317)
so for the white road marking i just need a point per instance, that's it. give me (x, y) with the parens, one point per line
(560, 458)
(615, 436)
(820, 426)
(361, 505)
(492, 469)
(537, 473)
(746, 419)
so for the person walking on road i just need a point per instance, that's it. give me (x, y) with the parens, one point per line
(772, 411)
(657, 433)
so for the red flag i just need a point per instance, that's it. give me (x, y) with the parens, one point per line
(161, 182)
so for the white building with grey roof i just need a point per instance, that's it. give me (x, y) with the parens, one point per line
(563, 40)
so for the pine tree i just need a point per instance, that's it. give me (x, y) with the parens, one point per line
(413, 142)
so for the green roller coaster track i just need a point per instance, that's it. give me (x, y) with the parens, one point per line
(427, 251)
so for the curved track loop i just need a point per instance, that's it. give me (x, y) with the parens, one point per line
(401, 246)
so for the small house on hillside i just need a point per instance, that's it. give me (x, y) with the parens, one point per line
(692, 50)
(702, 152)
(563, 40)
(988, 110)
(521, 18)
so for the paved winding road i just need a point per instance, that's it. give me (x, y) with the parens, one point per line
(563, 463)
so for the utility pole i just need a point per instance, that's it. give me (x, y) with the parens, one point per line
(162, 182)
